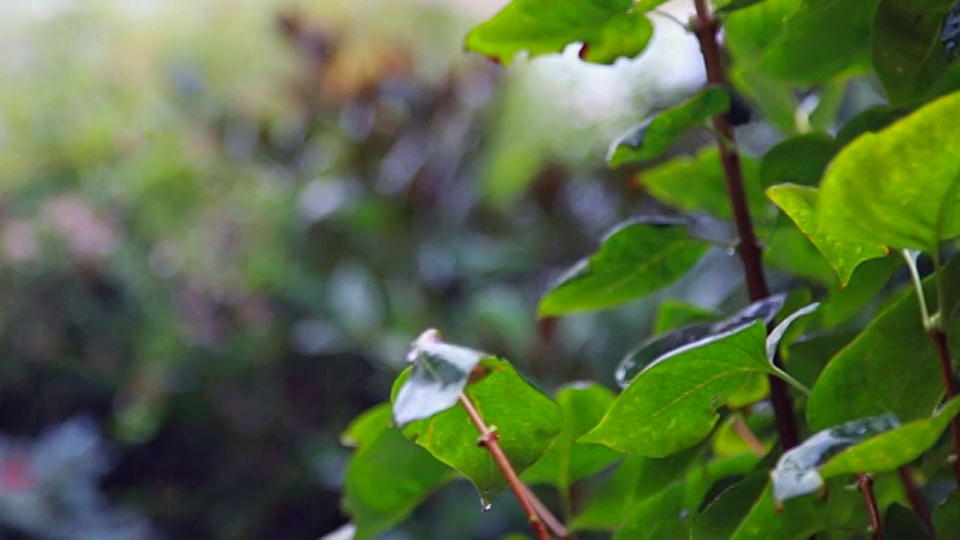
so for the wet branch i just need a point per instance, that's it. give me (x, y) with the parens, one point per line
(943, 353)
(865, 484)
(705, 26)
(537, 513)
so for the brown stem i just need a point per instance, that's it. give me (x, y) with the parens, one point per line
(917, 501)
(490, 440)
(743, 430)
(865, 483)
(946, 367)
(705, 26)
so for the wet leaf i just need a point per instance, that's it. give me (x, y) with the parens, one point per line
(388, 476)
(868, 280)
(527, 422)
(674, 314)
(946, 517)
(582, 406)
(844, 255)
(664, 515)
(798, 160)
(798, 470)
(609, 29)
(654, 137)
(636, 259)
(672, 404)
(887, 452)
(439, 374)
(871, 120)
(698, 184)
(898, 187)
(891, 366)
(659, 346)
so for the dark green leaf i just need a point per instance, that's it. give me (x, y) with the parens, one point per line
(798, 160)
(899, 522)
(651, 139)
(806, 358)
(608, 29)
(659, 346)
(946, 517)
(801, 204)
(582, 405)
(636, 259)
(907, 53)
(664, 515)
(698, 184)
(789, 249)
(527, 422)
(672, 404)
(674, 313)
(388, 476)
(870, 120)
(898, 187)
(890, 367)
(734, 5)
(440, 372)
(865, 285)
(821, 40)
(798, 470)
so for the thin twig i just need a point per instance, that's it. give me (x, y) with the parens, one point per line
(917, 501)
(705, 26)
(491, 441)
(946, 367)
(865, 484)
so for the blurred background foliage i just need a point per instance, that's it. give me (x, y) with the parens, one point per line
(222, 222)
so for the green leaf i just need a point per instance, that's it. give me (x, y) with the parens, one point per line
(798, 469)
(907, 52)
(891, 366)
(870, 120)
(698, 184)
(822, 39)
(663, 515)
(582, 406)
(608, 29)
(899, 522)
(798, 160)
(889, 451)
(898, 187)
(439, 374)
(636, 259)
(657, 347)
(675, 313)
(388, 476)
(527, 422)
(800, 203)
(946, 517)
(868, 280)
(672, 404)
(653, 138)
(734, 5)
(806, 358)
(789, 249)
(366, 427)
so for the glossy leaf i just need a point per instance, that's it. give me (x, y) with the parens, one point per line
(798, 470)
(895, 448)
(798, 160)
(388, 476)
(658, 347)
(672, 404)
(654, 137)
(664, 515)
(674, 314)
(636, 259)
(898, 187)
(891, 366)
(821, 40)
(608, 29)
(439, 374)
(527, 422)
(800, 204)
(698, 184)
(582, 406)
(748, 511)
(907, 54)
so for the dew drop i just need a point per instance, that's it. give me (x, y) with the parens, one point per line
(485, 506)
(731, 251)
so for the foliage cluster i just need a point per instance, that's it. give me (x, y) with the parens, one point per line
(826, 408)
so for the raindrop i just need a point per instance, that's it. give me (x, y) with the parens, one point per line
(684, 513)
(485, 505)
(731, 251)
